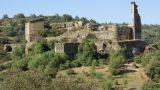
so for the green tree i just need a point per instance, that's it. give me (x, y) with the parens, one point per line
(67, 18)
(116, 61)
(19, 15)
(153, 70)
(87, 51)
(5, 16)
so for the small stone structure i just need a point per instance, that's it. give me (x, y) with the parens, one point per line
(10, 47)
(70, 49)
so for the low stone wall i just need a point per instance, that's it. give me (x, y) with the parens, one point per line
(10, 47)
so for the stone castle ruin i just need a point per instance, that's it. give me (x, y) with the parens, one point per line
(128, 37)
(111, 36)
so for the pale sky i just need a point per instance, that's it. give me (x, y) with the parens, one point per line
(116, 11)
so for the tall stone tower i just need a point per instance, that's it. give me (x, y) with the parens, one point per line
(136, 21)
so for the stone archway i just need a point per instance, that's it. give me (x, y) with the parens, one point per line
(8, 48)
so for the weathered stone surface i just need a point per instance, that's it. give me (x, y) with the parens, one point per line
(136, 21)
(31, 30)
(70, 49)
(10, 47)
(68, 25)
(151, 48)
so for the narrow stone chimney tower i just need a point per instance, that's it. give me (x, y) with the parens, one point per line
(136, 21)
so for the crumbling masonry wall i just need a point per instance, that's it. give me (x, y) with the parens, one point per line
(136, 21)
(31, 30)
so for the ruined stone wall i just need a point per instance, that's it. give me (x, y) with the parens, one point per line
(58, 25)
(68, 25)
(136, 21)
(70, 49)
(31, 30)
(125, 33)
(111, 34)
(59, 48)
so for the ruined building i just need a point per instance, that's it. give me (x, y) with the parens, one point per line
(136, 21)
(116, 36)
(128, 37)
(110, 36)
(31, 30)
(70, 49)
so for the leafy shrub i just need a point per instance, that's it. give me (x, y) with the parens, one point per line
(29, 80)
(75, 84)
(76, 63)
(43, 33)
(21, 65)
(147, 57)
(4, 40)
(39, 47)
(116, 61)
(95, 74)
(18, 53)
(107, 84)
(91, 36)
(102, 62)
(4, 56)
(87, 52)
(150, 85)
(56, 32)
(94, 63)
(51, 44)
(47, 59)
(70, 72)
(137, 59)
(65, 39)
(153, 70)
(52, 72)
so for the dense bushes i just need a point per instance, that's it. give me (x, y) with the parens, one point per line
(4, 40)
(42, 46)
(36, 80)
(39, 47)
(51, 32)
(21, 65)
(151, 61)
(116, 61)
(87, 52)
(153, 70)
(150, 85)
(46, 61)
(30, 80)
(18, 53)
(107, 84)
(75, 84)
(4, 56)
